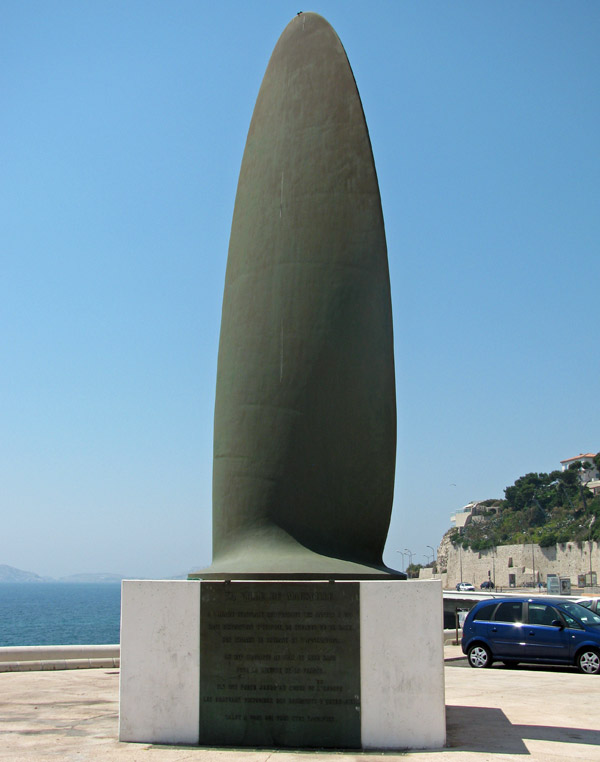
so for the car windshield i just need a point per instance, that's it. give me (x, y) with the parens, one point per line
(581, 612)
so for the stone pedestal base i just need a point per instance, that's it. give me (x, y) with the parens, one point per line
(283, 664)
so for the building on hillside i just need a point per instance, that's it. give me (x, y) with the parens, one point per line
(462, 517)
(473, 512)
(594, 486)
(585, 475)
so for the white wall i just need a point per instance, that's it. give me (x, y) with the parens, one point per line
(160, 662)
(402, 665)
(566, 560)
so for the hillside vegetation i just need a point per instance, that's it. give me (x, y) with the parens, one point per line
(540, 508)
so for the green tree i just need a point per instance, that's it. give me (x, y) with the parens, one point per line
(413, 570)
(543, 508)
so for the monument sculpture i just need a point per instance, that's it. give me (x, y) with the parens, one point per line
(297, 635)
(305, 413)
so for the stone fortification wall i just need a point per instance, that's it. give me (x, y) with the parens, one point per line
(518, 565)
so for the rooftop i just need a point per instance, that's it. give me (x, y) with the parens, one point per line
(579, 457)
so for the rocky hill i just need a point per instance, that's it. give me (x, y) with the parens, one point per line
(11, 574)
(544, 509)
(103, 577)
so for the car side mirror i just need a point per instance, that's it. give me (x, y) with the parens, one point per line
(558, 623)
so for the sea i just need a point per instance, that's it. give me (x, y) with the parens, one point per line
(59, 614)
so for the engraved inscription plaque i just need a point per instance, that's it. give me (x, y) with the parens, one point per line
(280, 664)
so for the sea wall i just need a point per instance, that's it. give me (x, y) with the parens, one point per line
(32, 658)
(520, 565)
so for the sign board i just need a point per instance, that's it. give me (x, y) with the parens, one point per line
(280, 664)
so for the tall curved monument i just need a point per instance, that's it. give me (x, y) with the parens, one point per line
(295, 653)
(305, 414)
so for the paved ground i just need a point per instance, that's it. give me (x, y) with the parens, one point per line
(540, 715)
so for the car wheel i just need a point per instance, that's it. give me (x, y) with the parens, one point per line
(588, 661)
(479, 656)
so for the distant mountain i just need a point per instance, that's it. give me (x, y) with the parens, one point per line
(181, 575)
(10, 574)
(99, 577)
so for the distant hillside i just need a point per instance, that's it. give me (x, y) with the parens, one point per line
(10, 574)
(181, 575)
(544, 509)
(99, 577)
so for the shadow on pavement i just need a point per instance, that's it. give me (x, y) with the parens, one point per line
(471, 728)
(487, 729)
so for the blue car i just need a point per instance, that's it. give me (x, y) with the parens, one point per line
(533, 630)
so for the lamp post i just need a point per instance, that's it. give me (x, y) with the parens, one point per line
(432, 553)
(410, 557)
(402, 554)
(590, 542)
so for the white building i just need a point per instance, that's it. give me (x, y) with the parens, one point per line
(473, 511)
(594, 486)
(462, 516)
(585, 475)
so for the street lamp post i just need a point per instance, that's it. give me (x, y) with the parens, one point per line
(432, 555)
(402, 554)
(410, 557)
(590, 543)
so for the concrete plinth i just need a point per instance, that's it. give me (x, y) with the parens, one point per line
(159, 686)
(400, 699)
(402, 665)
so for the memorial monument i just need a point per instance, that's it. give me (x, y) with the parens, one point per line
(297, 635)
(305, 412)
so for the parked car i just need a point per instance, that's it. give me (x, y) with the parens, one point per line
(465, 587)
(533, 630)
(590, 603)
(487, 585)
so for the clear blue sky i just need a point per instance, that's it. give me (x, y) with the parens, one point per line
(122, 130)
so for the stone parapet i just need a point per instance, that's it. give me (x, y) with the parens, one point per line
(45, 658)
